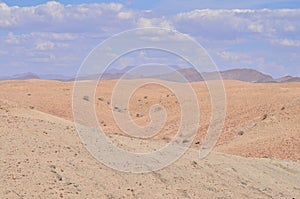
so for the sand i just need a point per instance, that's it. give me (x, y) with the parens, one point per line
(42, 155)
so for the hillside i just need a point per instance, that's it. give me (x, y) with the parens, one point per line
(42, 156)
(247, 104)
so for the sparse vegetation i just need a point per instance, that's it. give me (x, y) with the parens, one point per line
(139, 115)
(86, 98)
(117, 109)
(185, 141)
(265, 116)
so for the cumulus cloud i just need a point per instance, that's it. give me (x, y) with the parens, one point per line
(108, 19)
(232, 24)
(54, 16)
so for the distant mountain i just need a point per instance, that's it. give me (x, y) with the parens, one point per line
(22, 76)
(119, 71)
(138, 70)
(107, 76)
(246, 75)
(287, 79)
(190, 74)
(55, 77)
(283, 79)
(294, 79)
(29, 75)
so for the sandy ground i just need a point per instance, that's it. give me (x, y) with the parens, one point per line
(267, 114)
(42, 155)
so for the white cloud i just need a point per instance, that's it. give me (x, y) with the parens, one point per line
(109, 19)
(144, 22)
(116, 7)
(154, 22)
(6, 20)
(47, 45)
(286, 42)
(51, 10)
(256, 28)
(125, 15)
(63, 36)
(229, 55)
(11, 39)
(232, 24)
(56, 17)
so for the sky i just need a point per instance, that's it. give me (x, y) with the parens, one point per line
(54, 37)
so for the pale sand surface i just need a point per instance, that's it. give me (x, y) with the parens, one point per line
(42, 155)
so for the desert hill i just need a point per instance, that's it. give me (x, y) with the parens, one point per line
(42, 156)
(249, 108)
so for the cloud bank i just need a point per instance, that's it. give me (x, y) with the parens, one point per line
(55, 38)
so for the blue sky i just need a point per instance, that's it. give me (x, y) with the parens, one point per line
(178, 6)
(54, 37)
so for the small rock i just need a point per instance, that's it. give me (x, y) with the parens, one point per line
(264, 117)
(86, 98)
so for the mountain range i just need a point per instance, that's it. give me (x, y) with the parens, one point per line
(190, 74)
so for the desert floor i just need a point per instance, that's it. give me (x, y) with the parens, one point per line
(257, 155)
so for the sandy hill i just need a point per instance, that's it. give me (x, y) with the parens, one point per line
(42, 154)
(249, 107)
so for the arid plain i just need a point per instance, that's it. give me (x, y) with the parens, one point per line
(257, 155)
